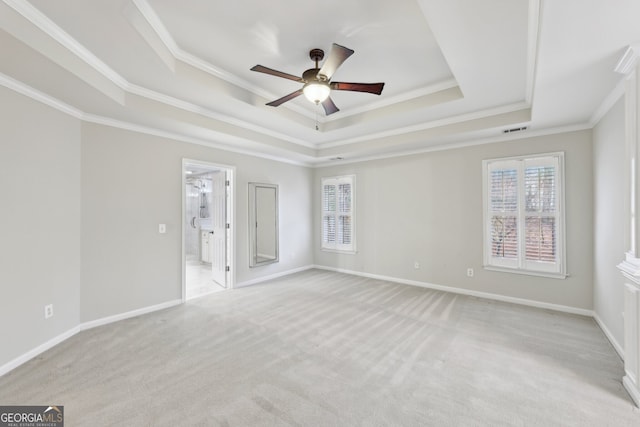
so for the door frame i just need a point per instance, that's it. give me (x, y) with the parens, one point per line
(230, 208)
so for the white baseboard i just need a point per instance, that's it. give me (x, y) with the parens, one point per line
(81, 327)
(631, 388)
(461, 291)
(556, 307)
(111, 319)
(134, 313)
(273, 276)
(38, 350)
(609, 335)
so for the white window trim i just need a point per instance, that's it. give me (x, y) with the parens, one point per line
(519, 267)
(352, 248)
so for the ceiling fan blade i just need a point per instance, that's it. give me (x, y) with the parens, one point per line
(262, 69)
(375, 88)
(337, 56)
(285, 98)
(329, 106)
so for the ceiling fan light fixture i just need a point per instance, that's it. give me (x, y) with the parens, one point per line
(316, 92)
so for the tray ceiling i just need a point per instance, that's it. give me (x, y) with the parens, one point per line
(455, 71)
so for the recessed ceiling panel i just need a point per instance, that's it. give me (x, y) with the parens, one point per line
(392, 41)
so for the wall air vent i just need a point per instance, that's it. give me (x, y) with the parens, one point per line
(514, 130)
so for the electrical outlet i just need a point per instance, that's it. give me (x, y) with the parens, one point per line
(416, 265)
(469, 272)
(48, 311)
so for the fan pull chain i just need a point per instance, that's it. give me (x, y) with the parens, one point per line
(317, 127)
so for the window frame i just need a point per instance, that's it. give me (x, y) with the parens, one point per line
(521, 265)
(337, 247)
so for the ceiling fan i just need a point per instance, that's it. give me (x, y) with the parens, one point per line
(317, 81)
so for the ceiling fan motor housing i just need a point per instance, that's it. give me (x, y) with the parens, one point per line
(312, 74)
(316, 55)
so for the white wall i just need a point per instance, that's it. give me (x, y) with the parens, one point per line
(609, 157)
(428, 208)
(131, 182)
(39, 223)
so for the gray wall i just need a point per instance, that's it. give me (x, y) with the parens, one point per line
(609, 157)
(428, 208)
(81, 204)
(131, 183)
(39, 223)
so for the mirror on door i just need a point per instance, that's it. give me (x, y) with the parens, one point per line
(263, 224)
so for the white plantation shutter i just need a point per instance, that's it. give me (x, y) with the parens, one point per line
(328, 213)
(540, 212)
(503, 211)
(523, 214)
(337, 213)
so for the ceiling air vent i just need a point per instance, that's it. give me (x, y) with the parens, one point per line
(514, 130)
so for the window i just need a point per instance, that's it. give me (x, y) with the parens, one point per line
(338, 228)
(523, 214)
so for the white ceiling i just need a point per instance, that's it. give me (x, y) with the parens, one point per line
(455, 71)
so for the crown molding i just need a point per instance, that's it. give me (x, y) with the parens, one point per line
(197, 109)
(154, 21)
(43, 98)
(608, 102)
(445, 144)
(41, 21)
(165, 38)
(133, 127)
(397, 99)
(179, 54)
(627, 63)
(480, 114)
(441, 145)
(48, 27)
(28, 91)
(533, 41)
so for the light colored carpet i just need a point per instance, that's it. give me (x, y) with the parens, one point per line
(326, 349)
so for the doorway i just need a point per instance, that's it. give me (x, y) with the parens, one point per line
(207, 229)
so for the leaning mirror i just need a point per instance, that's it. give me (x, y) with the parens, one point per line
(263, 224)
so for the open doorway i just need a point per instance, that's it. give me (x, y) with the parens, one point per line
(207, 229)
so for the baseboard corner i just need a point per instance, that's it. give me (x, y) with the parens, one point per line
(607, 333)
(273, 276)
(20, 360)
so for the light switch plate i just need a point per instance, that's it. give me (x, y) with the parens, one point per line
(162, 228)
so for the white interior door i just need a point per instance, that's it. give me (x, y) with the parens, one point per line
(219, 224)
